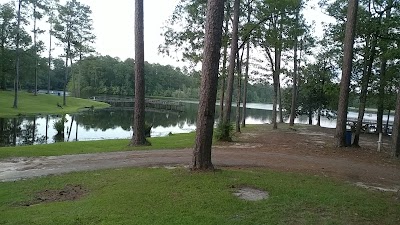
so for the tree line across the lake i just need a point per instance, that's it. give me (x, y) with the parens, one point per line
(88, 73)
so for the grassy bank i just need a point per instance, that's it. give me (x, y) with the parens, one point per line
(176, 141)
(161, 196)
(42, 104)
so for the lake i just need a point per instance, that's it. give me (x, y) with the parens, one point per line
(115, 123)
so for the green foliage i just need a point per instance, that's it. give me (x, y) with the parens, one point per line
(224, 131)
(161, 196)
(376, 18)
(105, 75)
(59, 125)
(317, 92)
(189, 16)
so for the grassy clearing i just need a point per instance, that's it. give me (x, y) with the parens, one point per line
(176, 141)
(161, 196)
(42, 104)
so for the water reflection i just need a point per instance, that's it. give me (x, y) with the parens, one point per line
(114, 123)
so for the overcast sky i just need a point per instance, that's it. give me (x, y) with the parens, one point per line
(113, 22)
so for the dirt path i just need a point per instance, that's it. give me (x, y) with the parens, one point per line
(308, 150)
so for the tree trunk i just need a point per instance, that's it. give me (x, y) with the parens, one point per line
(16, 83)
(276, 85)
(139, 137)
(3, 85)
(49, 74)
(239, 89)
(396, 128)
(35, 48)
(246, 80)
(381, 96)
(231, 71)
(224, 61)
(280, 103)
(340, 135)
(310, 114)
(66, 72)
(79, 77)
(2, 73)
(387, 122)
(246, 76)
(73, 76)
(382, 83)
(293, 106)
(319, 118)
(364, 92)
(209, 82)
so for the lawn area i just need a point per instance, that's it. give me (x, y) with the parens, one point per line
(176, 141)
(178, 196)
(42, 104)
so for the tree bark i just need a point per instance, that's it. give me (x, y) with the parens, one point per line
(209, 82)
(49, 63)
(224, 61)
(276, 74)
(239, 90)
(231, 71)
(340, 135)
(246, 76)
(280, 103)
(364, 92)
(2, 51)
(396, 128)
(295, 71)
(66, 70)
(381, 96)
(16, 83)
(35, 48)
(382, 83)
(138, 137)
(246, 80)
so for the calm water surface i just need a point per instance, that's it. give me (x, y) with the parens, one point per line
(114, 123)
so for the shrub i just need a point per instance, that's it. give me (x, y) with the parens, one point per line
(224, 131)
(59, 125)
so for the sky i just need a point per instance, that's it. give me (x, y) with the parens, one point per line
(114, 27)
(113, 23)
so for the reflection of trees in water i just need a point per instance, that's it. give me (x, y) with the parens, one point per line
(113, 118)
(20, 131)
(17, 131)
(23, 131)
(28, 134)
(9, 129)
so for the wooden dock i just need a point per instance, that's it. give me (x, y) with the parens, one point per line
(160, 104)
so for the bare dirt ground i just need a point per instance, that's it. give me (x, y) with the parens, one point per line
(307, 150)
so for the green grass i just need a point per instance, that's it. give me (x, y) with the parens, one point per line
(41, 104)
(176, 141)
(161, 196)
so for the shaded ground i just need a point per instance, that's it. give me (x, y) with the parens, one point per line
(307, 150)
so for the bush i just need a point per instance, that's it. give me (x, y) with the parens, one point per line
(224, 131)
(59, 125)
(147, 129)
